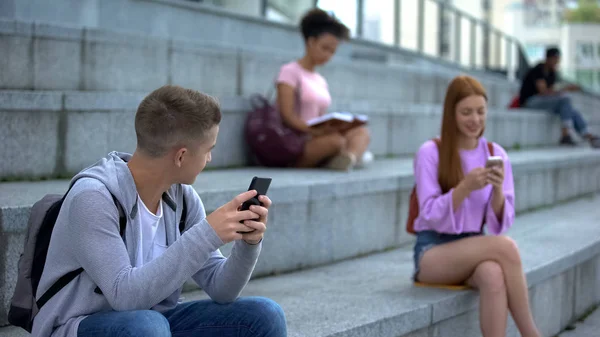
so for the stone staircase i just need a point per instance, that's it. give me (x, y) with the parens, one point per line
(336, 255)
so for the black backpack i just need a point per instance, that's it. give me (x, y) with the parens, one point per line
(23, 306)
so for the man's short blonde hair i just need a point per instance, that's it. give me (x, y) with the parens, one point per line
(173, 116)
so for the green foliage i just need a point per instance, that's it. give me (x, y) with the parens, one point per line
(587, 11)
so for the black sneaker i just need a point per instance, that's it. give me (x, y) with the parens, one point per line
(595, 142)
(567, 140)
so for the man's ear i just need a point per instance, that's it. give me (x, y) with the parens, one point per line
(180, 156)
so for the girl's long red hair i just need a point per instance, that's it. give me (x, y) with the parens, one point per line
(450, 171)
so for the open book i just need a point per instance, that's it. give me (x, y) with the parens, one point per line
(343, 120)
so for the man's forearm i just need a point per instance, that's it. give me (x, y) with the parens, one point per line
(224, 279)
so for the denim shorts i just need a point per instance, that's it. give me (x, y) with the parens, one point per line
(429, 239)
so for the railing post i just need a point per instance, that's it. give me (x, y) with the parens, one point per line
(421, 27)
(457, 37)
(397, 22)
(498, 49)
(486, 45)
(473, 43)
(264, 5)
(360, 13)
(441, 33)
(509, 58)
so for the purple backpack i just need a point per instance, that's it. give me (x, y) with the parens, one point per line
(270, 141)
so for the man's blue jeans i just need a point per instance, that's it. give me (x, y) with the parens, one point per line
(562, 106)
(246, 317)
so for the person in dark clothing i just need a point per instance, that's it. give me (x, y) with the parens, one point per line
(537, 92)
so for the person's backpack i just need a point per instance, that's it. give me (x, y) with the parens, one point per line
(413, 207)
(270, 141)
(23, 306)
(514, 103)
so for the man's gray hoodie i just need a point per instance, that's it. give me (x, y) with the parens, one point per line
(86, 235)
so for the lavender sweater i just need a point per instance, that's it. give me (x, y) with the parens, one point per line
(435, 209)
(87, 235)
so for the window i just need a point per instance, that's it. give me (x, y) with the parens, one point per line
(585, 77)
(344, 10)
(378, 20)
(535, 52)
(446, 20)
(542, 13)
(584, 54)
(535, 17)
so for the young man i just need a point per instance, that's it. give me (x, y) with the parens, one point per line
(131, 285)
(537, 92)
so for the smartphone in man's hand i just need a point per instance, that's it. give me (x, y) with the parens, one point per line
(261, 185)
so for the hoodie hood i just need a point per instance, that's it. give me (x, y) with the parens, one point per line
(114, 173)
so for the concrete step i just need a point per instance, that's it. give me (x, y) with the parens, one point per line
(374, 296)
(50, 134)
(586, 326)
(48, 56)
(314, 220)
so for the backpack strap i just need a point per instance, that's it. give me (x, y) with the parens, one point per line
(183, 216)
(122, 217)
(57, 286)
(490, 146)
(70, 276)
(173, 205)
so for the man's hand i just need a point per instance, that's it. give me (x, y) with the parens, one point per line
(259, 226)
(572, 87)
(226, 219)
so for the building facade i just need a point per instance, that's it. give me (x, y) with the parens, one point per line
(542, 23)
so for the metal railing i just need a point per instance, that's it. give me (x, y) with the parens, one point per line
(433, 28)
(443, 31)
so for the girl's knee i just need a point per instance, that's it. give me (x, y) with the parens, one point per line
(361, 131)
(366, 134)
(489, 276)
(337, 141)
(507, 249)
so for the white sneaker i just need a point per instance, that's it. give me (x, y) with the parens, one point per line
(341, 162)
(366, 159)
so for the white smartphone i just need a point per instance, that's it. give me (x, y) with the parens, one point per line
(494, 161)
